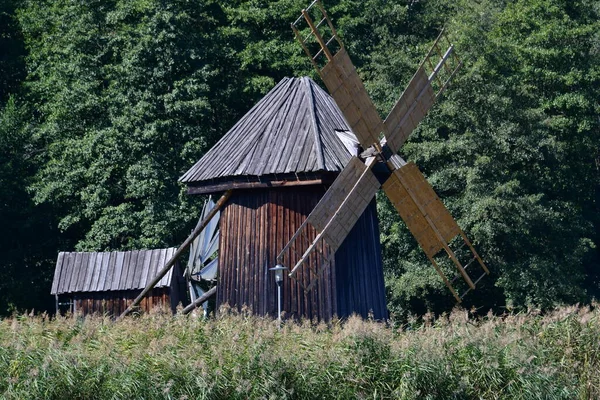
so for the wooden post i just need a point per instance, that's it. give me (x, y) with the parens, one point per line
(178, 253)
(196, 303)
(479, 260)
(318, 36)
(441, 273)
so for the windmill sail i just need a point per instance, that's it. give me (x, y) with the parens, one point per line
(427, 218)
(409, 110)
(425, 215)
(419, 95)
(350, 95)
(336, 213)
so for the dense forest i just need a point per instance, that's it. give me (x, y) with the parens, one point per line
(105, 103)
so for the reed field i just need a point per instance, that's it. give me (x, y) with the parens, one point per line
(237, 356)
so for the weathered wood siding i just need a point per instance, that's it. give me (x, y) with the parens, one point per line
(256, 224)
(359, 269)
(114, 303)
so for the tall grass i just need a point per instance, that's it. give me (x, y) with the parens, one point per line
(158, 356)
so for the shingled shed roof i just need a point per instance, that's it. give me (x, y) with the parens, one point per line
(117, 270)
(296, 128)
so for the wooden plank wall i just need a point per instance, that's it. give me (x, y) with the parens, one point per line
(359, 270)
(256, 224)
(114, 303)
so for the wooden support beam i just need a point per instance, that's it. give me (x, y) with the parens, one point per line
(452, 256)
(442, 62)
(292, 181)
(479, 260)
(178, 253)
(439, 51)
(441, 273)
(335, 35)
(196, 303)
(448, 80)
(433, 46)
(303, 44)
(318, 36)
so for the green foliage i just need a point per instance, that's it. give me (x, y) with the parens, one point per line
(127, 100)
(12, 65)
(113, 100)
(23, 253)
(511, 149)
(263, 45)
(524, 356)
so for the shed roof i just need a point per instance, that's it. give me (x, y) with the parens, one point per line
(294, 129)
(106, 271)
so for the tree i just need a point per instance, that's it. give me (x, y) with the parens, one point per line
(12, 51)
(27, 235)
(511, 151)
(126, 94)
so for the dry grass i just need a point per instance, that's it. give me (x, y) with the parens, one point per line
(157, 356)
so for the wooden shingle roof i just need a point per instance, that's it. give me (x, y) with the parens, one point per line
(117, 270)
(295, 129)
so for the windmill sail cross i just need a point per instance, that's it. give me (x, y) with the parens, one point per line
(415, 200)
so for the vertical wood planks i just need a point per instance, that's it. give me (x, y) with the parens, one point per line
(262, 221)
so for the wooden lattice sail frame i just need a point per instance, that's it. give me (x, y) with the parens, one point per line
(413, 197)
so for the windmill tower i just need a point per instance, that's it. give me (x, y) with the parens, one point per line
(278, 160)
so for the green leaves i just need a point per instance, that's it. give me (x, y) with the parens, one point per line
(511, 147)
(125, 93)
(114, 100)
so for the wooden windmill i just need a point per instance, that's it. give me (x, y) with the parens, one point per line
(298, 191)
(344, 202)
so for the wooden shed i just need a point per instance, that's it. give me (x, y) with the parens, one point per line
(279, 159)
(108, 282)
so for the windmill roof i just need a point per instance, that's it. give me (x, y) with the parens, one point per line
(105, 271)
(296, 128)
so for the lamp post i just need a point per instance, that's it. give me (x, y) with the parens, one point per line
(278, 269)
